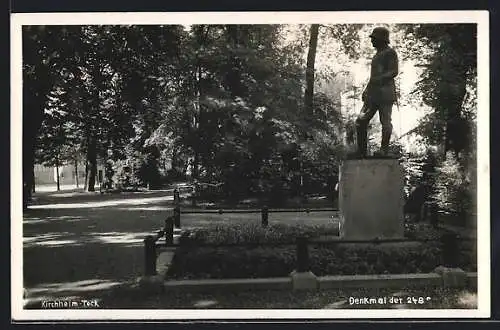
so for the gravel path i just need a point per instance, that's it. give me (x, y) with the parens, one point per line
(75, 241)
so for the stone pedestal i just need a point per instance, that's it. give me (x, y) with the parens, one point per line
(371, 198)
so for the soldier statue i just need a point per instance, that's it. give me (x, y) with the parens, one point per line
(380, 93)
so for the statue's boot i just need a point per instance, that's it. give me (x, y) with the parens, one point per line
(384, 146)
(362, 139)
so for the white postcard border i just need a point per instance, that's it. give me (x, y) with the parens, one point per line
(483, 193)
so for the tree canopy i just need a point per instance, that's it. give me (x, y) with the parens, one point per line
(255, 109)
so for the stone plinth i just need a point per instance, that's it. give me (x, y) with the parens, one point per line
(371, 198)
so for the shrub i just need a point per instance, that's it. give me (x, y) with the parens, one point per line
(254, 233)
(125, 174)
(137, 170)
(191, 261)
(242, 262)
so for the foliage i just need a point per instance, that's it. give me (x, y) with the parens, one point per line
(420, 176)
(94, 65)
(207, 97)
(264, 262)
(455, 190)
(125, 174)
(448, 53)
(137, 170)
(225, 105)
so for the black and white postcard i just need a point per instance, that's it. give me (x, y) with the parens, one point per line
(250, 165)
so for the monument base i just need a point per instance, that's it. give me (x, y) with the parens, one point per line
(371, 198)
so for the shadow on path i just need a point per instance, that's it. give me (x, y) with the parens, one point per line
(71, 241)
(65, 246)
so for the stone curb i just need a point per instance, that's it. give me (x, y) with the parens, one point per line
(393, 281)
(278, 283)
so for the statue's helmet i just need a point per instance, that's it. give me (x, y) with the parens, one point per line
(380, 33)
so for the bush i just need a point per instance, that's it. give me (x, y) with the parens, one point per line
(191, 261)
(235, 262)
(125, 175)
(137, 170)
(260, 262)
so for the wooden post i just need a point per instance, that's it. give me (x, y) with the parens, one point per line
(265, 216)
(149, 256)
(169, 231)
(450, 249)
(302, 255)
(177, 217)
(433, 210)
(177, 198)
(194, 194)
(423, 214)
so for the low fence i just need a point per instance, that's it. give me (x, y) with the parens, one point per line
(449, 240)
(264, 211)
(173, 220)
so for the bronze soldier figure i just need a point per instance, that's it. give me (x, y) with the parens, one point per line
(380, 93)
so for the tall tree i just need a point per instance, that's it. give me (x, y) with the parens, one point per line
(37, 83)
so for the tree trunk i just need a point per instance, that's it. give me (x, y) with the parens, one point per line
(92, 161)
(311, 58)
(34, 97)
(85, 184)
(29, 138)
(33, 178)
(233, 79)
(76, 172)
(28, 182)
(198, 127)
(451, 96)
(57, 176)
